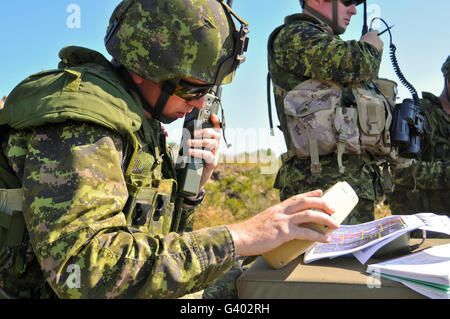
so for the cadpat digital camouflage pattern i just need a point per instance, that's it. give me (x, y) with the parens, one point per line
(165, 39)
(81, 241)
(425, 186)
(303, 49)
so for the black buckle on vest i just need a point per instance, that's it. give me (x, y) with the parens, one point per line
(160, 206)
(142, 212)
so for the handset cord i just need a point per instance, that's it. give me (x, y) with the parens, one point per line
(395, 64)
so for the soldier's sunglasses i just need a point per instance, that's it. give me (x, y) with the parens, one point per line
(190, 91)
(348, 3)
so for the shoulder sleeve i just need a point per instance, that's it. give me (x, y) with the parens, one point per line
(74, 191)
(310, 52)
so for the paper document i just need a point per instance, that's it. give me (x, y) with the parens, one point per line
(364, 240)
(427, 271)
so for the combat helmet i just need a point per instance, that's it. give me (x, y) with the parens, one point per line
(333, 23)
(168, 40)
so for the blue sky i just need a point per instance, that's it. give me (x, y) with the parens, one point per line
(32, 33)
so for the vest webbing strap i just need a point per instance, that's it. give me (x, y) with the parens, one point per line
(315, 167)
(10, 200)
(11, 215)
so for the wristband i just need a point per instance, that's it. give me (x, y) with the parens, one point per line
(197, 201)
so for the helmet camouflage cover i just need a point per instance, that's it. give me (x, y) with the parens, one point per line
(446, 67)
(173, 39)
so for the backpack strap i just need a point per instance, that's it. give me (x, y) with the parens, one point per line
(11, 215)
(10, 200)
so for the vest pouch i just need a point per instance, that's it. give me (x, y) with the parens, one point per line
(149, 208)
(388, 88)
(314, 113)
(373, 116)
(164, 208)
(139, 206)
(309, 109)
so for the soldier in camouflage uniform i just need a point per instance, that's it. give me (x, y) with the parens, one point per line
(308, 46)
(425, 185)
(88, 192)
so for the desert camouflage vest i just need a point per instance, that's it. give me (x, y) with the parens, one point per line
(86, 87)
(320, 122)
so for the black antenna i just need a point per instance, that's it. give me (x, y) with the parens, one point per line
(365, 28)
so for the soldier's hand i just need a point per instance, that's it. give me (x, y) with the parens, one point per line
(372, 38)
(281, 223)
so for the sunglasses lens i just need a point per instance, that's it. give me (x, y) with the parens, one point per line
(189, 91)
(349, 2)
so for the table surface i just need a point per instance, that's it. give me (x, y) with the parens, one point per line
(342, 277)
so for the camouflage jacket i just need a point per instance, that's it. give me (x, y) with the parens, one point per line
(302, 49)
(80, 239)
(432, 171)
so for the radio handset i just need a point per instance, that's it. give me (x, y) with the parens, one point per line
(189, 169)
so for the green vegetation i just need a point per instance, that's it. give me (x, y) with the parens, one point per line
(238, 190)
(234, 193)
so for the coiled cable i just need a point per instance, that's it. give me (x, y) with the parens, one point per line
(395, 65)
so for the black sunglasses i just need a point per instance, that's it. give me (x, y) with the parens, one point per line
(190, 91)
(348, 3)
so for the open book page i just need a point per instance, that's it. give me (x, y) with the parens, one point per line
(349, 239)
(430, 265)
(426, 222)
(427, 291)
(427, 271)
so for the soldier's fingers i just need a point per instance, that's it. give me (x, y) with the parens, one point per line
(207, 133)
(206, 155)
(312, 201)
(315, 217)
(215, 121)
(211, 144)
(309, 234)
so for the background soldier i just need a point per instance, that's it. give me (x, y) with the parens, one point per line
(425, 185)
(306, 47)
(83, 147)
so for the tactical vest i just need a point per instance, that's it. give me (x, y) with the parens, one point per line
(87, 88)
(320, 123)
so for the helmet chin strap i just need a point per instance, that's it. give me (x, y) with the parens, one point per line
(167, 90)
(337, 30)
